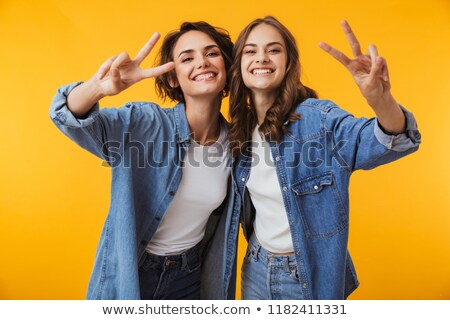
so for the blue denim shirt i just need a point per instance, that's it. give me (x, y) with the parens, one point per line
(314, 164)
(145, 145)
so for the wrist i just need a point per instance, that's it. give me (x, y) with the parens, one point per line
(94, 89)
(383, 103)
(389, 114)
(83, 97)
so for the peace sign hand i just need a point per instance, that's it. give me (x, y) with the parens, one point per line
(120, 72)
(369, 71)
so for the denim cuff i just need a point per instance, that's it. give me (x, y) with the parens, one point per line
(411, 138)
(60, 113)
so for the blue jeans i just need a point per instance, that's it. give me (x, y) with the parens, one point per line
(266, 276)
(170, 277)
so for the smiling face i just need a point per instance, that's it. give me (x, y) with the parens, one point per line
(199, 66)
(264, 59)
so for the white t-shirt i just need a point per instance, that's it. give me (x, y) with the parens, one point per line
(202, 189)
(271, 223)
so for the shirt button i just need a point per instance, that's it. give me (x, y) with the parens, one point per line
(304, 286)
(172, 193)
(157, 218)
(243, 179)
(284, 189)
(277, 158)
(316, 187)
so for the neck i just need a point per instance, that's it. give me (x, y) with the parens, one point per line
(203, 118)
(262, 101)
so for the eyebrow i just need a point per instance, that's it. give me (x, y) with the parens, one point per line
(204, 49)
(268, 45)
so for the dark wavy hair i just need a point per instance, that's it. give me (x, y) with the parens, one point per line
(220, 36)
(290, 93)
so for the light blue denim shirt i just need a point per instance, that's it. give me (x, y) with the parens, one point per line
(314, 164)
(145, 146)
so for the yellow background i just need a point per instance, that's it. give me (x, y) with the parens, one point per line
(54, 196)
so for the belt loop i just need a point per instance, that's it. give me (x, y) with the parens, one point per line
(143, 259)
(255, 250)
(184, 261)
(286, 264)
(258, 249)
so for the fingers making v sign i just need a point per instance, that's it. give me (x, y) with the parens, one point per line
(369, 70)
(370, 73)
(120, 72)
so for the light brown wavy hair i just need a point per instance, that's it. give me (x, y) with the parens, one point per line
(220, 36)
(290, 93)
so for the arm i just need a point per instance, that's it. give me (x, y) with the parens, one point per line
(368, 143)
(360, 143)
(115, 75)
(103, 132)
(370, 73)
(75, 108)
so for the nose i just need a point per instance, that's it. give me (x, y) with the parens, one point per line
(202, 62)
(262, 57)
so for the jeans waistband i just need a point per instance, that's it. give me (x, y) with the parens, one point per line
(188, 257)
(258, 252)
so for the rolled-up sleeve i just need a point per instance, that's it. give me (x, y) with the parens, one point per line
(403, 141)
(62, 116)
(363, 143)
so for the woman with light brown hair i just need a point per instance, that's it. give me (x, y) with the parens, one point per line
(294, 155)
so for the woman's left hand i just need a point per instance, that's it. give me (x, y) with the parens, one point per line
(369, 71)
(371, 75)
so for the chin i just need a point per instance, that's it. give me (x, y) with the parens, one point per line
(205, 93)
(262, 87)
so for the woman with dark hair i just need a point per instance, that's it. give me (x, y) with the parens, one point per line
(294, 158)
(170, 215)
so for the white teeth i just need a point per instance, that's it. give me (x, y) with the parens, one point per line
(204, 76)
(261, 71)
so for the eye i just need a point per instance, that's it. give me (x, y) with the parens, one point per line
(274, 51)
(212, 54)
(187, 59)
(249, 51)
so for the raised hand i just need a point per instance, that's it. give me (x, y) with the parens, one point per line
(369, 71)
(120, 72)
(114, 76)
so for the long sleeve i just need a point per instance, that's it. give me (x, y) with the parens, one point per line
(363, 143)
(102, 131)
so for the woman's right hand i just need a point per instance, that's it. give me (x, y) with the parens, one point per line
(120, 72)
(114, 76)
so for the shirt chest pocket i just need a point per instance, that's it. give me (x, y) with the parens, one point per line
(320, 207)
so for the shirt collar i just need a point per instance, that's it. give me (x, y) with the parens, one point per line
(182, 128)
